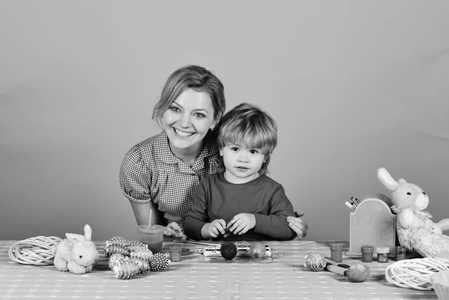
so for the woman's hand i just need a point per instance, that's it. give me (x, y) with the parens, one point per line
(241, 223)
(173, 229)
(298, 225)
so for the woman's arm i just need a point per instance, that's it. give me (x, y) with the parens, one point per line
(142, 213)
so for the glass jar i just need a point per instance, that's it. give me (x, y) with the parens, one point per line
(367, 253)
(336, 252)
(382, 254)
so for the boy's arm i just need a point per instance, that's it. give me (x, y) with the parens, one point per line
(275, 225)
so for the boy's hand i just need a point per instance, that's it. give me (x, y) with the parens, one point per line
(216, 228)
(241, 223)
(298, 225)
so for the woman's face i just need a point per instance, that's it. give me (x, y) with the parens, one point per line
(187, 121)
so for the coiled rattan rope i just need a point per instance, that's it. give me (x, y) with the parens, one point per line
(415, 273)
(39, 251)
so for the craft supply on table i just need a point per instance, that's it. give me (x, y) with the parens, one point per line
(175, 253)
(382, 254)
(152, 235)
(355, 273)
(440, 283)
(415, 273)
(38, 251)
(367, 253)
(372, 223)
(336, 251)
(242, 250)
(401, 251)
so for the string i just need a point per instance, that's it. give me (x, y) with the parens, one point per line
(39, 251)
(415, 273)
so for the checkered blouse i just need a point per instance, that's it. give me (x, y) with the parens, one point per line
(150, 172)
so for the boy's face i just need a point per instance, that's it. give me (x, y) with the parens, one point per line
(242, 164)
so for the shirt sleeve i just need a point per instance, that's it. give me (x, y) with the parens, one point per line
(275, 225)
(197, 215)
(135, 177)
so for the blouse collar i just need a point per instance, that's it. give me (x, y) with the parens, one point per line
(166, 155)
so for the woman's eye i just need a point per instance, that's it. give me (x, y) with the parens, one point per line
(174, 108)
(198, 115)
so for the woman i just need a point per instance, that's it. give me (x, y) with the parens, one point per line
(161, 173)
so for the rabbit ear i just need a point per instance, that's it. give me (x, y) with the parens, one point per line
(87, 232)
(75, 237)
(386, 179)
(402, 180)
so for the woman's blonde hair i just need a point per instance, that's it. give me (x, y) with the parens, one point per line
(249, 126)
(193, 77)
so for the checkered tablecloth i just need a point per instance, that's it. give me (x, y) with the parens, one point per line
(193, 277)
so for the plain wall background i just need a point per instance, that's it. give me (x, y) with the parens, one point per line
(353, 85)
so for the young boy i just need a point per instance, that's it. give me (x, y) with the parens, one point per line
(240, 202)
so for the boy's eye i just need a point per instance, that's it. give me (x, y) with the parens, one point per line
(235, 149)
(253, 151)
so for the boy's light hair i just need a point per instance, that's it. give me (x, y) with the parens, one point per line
(249, 126)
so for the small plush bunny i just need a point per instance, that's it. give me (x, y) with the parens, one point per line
(77, 253)
(415, 229)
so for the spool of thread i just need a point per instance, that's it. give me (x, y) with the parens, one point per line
(336, 252)
(367, 253)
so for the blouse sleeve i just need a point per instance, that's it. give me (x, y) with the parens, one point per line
(135, 177)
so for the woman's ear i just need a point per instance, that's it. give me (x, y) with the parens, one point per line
(215, 122)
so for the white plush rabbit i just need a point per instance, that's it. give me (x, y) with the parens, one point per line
(77, 253)
(416, 231)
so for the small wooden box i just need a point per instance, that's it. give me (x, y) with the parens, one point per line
(373, 223)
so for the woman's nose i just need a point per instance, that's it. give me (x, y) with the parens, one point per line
(185, 120)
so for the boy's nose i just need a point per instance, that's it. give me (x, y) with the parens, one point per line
(243, 157)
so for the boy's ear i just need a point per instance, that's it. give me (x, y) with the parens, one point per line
(221, 152)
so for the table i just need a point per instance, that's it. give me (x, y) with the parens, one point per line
(193, 278)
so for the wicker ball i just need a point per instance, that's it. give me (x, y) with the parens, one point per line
(158, 262)
(315, 262)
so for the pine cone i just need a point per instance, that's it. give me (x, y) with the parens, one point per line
(141, 254)
(126, 269)
(115, 259)
(137, 245)
(116, 244)
(158, 262)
